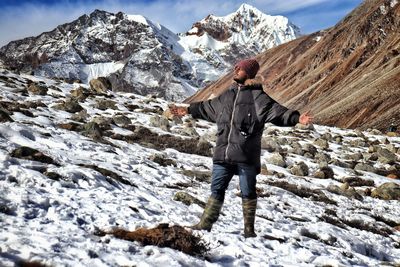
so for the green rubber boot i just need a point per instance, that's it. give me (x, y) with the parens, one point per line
(249, 215)
(210, 215)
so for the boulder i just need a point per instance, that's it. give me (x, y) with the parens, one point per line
(277, 159)
(386, 157)
(364, 167)
(92, 130)
(297, 149)
(309, 150)
(304, 127)
(80, 116)
(121, 120)
(4, 116)
(70, 105)
(37, 89)
(104, 104)
(80, 93)
(187, 199)
(299, 169)
(160, 122)
(323, 144)
(29, 153)
(345, 190)
(270, 144)
(387, 191)
(100, 85)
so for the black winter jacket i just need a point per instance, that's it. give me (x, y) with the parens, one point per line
(240, 114)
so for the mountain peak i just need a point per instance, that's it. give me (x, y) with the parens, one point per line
(245, 8)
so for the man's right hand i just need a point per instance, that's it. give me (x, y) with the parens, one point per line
(178, 111)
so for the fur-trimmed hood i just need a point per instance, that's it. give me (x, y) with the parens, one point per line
(255, 82)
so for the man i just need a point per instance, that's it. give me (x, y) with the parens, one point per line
(240, 114)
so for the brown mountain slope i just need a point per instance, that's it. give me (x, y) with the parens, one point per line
(348, 75)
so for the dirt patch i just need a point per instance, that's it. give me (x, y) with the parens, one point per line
(111, 177)
(175, 237)
(304, 192)
(147, 138)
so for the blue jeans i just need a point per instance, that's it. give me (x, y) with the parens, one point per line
(222, 174)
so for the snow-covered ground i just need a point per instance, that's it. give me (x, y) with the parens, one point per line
(54, 221)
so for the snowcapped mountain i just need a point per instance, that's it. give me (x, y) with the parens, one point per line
(77, 166)
(138, 55)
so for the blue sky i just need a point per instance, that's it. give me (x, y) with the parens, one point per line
(22, 18)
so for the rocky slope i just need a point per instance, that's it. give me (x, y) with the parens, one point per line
(348, 75)
(138, 55)
(79, 167)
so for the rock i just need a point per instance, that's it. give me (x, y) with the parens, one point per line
(309, 150)
(328, 172)
(297, 149)
(358, 181)
(364, 167)
(92, 130)
(271, 145)
(343, 164)
(53, 176)
(299, 169)
(322, 157)
(121, 120)
(392, 176)
(283, 141)
(187, 199)
(80, 116)
(80, 93)
(391, 148)
(4, 116)
(354, 156)
(304, 127)
(160, 122)
(370, 156)
(162, 160)
(326, 136)
(277, 159)
(29, 153)
(323, 144)
(358, 143)
(70, 126)
(70, 105)
(375, 132)
(210, 135)
(104, 104)
(392, 134)
(338, 139)
(100, 85)
(373, 148)
(345, 190)
(189, 131)
(387, 191)
(201, 176)
(37, 89)
(359, 133)
(319, 174)
(103, 122)
(386, 157)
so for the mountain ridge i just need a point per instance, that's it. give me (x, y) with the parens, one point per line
(135, 53)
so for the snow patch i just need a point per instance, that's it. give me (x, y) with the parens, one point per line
(138, 18)
(96, 70)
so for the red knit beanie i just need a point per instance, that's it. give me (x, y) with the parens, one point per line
(250, 66)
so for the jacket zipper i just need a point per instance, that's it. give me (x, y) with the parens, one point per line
(230, 130)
